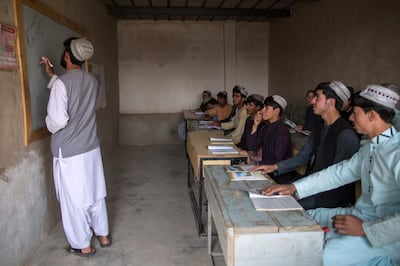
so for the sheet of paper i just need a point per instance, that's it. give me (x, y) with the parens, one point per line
(274, 202)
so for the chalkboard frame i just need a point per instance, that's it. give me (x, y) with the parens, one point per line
(31, 134)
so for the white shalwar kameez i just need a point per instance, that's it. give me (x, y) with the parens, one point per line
(79, 180)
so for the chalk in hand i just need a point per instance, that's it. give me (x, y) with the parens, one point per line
(47, 60)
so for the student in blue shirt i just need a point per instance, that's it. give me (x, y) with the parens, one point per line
(367, 233)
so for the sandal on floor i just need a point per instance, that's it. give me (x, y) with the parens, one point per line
(108, 237)
(78, 252)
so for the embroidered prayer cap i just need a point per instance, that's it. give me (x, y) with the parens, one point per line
(341, 90)
(280, 100)
(222, 94)
(381, 95)
(82, 49)
(240, 89)
(256, 99)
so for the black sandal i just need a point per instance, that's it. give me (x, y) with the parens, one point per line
(78, 252)
(109, 238)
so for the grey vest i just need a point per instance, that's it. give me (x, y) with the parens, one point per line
(80, 134)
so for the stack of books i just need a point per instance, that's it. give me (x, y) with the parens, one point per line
(226, 149)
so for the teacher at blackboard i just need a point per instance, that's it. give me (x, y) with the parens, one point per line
(77, 163)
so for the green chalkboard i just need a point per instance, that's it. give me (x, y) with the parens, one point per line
(41, 33)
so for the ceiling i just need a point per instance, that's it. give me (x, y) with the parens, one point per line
(201, 10)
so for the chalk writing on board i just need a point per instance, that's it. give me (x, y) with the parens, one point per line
(43, 31)
(33, 31)
(43, 37)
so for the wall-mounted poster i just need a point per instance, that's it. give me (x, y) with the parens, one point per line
(8, 57)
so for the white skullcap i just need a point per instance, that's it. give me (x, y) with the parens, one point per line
(280, 100)
(341, 90)
(82, 49)
(240, 89)
(381, 95)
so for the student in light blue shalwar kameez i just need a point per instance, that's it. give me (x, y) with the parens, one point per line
(369, 232)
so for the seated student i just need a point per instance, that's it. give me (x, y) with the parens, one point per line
(335, 141)
(368, 232)
(274, 137)
(311, 120)
(206, 96)
(347, 108)
(254, 104)
(230, 116)
(209, 105)
(222, 110)
(235, 127)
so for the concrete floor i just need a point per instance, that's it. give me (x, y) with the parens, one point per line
(150, 215)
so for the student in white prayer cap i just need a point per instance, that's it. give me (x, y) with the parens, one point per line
(234, 128)
(328, 144)
(274, 137)
(368, 232)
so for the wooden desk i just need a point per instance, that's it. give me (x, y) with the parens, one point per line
(191, 115)
(198, 157)
(250, 237)
(194, 125)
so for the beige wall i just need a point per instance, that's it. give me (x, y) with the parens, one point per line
(28, 205)
(354, 41)
(164, 66)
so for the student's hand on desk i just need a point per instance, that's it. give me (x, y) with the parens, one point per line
(265, 168)
(348, 225)
(289, 189)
